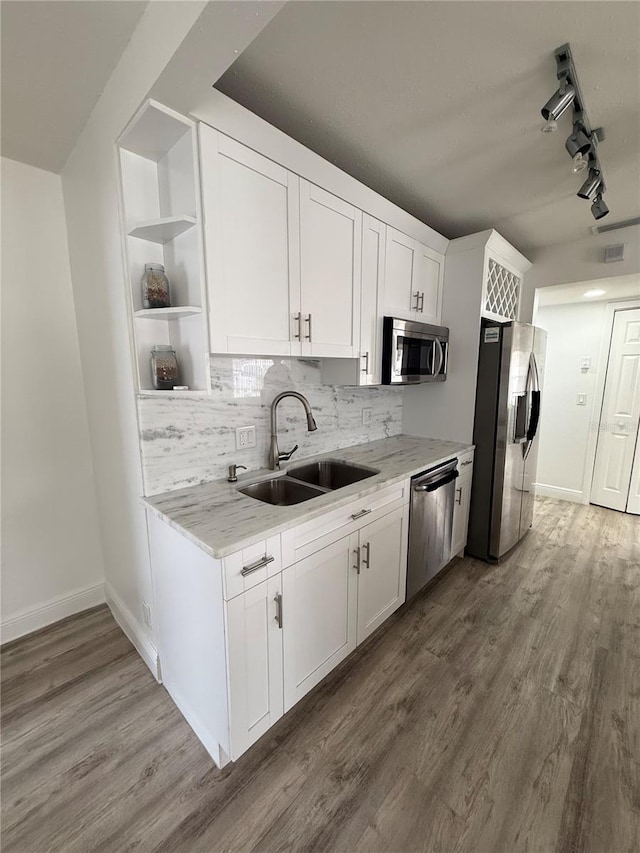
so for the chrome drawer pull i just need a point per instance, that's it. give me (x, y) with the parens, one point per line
(297, 318)
(259, 564)
(278, 601)
(356, 554)
(366, 560)
(362, 512)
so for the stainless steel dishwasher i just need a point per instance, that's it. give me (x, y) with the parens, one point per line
(430, 524)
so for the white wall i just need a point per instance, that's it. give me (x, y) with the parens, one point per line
(582, 260)
(90, 185)
(574, 331)
(51, 555)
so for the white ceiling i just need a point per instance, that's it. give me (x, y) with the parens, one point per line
(436, 105)
(56, 59)
(620, 287)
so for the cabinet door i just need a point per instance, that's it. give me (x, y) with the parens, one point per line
(250, 207)
(401, 276)
(430, 269)
(330, 241)
(319, 597)
(383, 570)
(255, 663)
(373, 255)
(461, 514)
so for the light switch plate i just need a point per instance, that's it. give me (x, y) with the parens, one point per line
(245, 437)
(366, 416)
(585, 363)
(582, 400)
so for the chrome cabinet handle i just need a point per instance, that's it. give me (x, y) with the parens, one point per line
(278, 601)
(468, 462)
(417, 305)
(362, 512)
(365, 560)
(259, 564)
(356, 555)
(297, 318)
(459, 498)
(307, 319)
(365, 369)
(420, 307)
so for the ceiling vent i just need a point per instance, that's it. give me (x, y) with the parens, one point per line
(615, 226)
(614, 253)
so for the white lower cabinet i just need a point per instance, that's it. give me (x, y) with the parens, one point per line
(319, 614)
(254, 637)
(241, 639)
(383, 570)
(462, 505)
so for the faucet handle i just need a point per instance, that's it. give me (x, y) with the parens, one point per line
(233, 473)
(284, 457)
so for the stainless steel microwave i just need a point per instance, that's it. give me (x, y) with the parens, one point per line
(413, 352)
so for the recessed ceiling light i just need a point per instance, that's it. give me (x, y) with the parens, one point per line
(590, 294)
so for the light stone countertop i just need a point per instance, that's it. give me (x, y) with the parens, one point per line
(221, 520)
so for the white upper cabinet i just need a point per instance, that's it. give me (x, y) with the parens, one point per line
(367, 369)
(251, 238)
(413, 279)
(330, 235)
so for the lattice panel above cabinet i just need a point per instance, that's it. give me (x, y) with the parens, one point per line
(503, 292)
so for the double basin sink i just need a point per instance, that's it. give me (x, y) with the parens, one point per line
(304, 482)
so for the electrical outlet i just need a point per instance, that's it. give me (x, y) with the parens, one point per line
(146, 614)
(582, 400)
(366, 416)
(245, 437)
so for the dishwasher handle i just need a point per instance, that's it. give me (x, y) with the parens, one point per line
(431, 487)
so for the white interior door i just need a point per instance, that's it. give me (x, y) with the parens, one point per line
(620, 414)
(633, 504)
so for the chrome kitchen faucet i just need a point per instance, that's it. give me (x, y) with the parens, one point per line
(275, 457)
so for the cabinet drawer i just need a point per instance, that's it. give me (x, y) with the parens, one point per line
(251, 566)
(308, 538)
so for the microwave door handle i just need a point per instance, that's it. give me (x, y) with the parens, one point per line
(441, 362)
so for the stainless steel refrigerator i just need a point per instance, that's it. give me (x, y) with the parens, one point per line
(505, 433)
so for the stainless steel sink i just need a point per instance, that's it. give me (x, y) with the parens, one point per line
(331, 473)
(281, 491)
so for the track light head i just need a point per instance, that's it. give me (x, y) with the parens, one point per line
(590, 185)
(578, 142)
(579, 164)
(559, 103)
(599, 208)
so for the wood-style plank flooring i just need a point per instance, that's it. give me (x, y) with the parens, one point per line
(498, 712)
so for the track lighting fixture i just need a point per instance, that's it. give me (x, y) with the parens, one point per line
(590, 185)
(599, 208)
(559, 103)
(583, 141)
(578, 142)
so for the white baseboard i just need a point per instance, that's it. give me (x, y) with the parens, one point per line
(574, 495)
(52, 611)
(134, 631)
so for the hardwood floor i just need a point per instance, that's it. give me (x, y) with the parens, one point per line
(498, 712)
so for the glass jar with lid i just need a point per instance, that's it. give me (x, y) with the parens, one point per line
(155, 287)
(164, 367)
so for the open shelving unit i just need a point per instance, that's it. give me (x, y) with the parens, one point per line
(162, 223)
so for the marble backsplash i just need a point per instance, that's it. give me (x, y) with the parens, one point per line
(191, 440)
